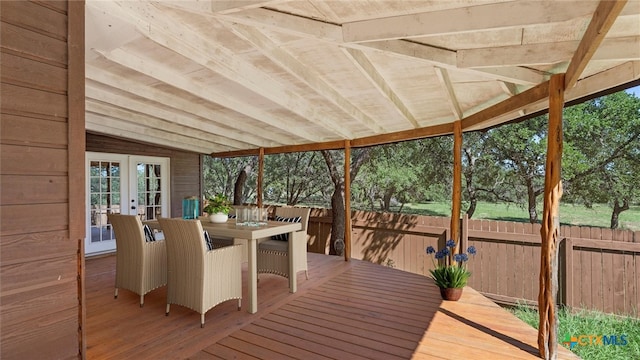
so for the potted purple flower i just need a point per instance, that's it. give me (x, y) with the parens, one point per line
(450, 273)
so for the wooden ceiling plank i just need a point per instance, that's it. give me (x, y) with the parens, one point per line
(452, 99)
(156, 70)
(232, 127)
(369, 70)
(304, 73)
(120, 128)
(471, 18)
(603, 18)
(158, 126)
(160, 118)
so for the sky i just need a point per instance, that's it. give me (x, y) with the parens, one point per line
(634, 90)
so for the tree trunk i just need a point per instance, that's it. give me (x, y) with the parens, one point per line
(336, 245)
(617, 209)
(472, 206)
(532, 195)
(239, 185)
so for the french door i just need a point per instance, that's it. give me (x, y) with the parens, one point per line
(124, 184)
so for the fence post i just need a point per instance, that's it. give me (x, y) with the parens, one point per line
(566, 268)
(464, 233)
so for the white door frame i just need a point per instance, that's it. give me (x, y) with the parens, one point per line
(128, 191)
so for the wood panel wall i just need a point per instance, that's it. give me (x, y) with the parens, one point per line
(185, 167)
(42, 179)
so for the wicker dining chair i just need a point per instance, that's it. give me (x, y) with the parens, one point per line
(141, 265)
(199, 279)
(273, 254)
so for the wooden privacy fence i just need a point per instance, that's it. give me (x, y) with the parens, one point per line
(599, 268)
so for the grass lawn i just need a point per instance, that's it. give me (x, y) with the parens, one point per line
(596, 324)
(599, 215)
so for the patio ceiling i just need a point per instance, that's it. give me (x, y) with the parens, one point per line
(230, 76)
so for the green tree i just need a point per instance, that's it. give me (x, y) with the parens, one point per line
(233, 177)
(520, 149)
(294, 178)
(601, 154)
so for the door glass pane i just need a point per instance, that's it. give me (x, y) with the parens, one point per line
(149, 192)
(105, 198)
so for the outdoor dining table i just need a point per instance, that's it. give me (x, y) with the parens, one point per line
(229, 229)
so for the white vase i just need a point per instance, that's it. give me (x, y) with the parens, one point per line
(218, 218)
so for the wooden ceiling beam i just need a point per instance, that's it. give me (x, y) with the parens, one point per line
(447, 59)
(603, 18)
(329, 145)
(515, 14)
(452, 99)
(514, 103)
(626, 48)
(369, 70)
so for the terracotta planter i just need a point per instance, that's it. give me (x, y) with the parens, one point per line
(451, 294)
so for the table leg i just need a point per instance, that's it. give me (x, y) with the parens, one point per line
(293, 283)
(252, 284)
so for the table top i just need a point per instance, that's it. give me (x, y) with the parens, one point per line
(230, 229)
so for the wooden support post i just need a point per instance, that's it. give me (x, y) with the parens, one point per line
(260, 176)
(550, 231)
(457, 182)
(347, 200)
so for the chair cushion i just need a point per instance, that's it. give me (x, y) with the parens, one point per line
(148, 233)
(207, 240)
(285, 237)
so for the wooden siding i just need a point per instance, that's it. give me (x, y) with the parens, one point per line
(345, 310)
(186, 174)
(598, 268)
(42, 139)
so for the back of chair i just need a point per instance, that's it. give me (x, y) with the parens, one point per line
(129, 238)
(185, 258)
(291, 212)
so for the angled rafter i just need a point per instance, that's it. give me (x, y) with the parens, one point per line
(602, 20)
(452, 99)
(288, 24)
(233, 128)
(370, 71)
(304, 73)
(471, 18)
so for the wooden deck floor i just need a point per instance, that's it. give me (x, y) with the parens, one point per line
(346, 310)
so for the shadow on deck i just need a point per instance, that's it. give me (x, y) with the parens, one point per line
(346, 310)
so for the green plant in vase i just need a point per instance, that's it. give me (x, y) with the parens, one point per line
(450, 273)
